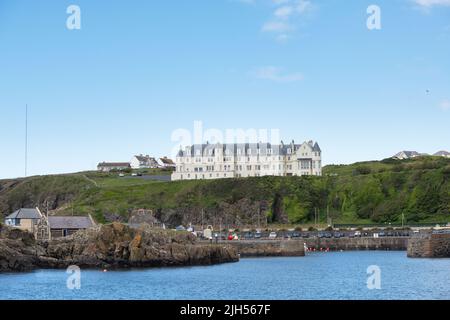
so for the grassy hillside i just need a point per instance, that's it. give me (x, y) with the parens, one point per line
(360, 193)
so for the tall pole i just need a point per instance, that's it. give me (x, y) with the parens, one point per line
(26, 139)
(328, 215)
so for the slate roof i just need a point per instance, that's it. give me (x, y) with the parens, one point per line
(70, 222)
(442, 154)
(25, 213)
(409, 154)
(114, 164)
(146, 159)
(166, 161)
(243, 148)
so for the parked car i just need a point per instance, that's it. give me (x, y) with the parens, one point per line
(248, 236)
(272, 235)
(258, 235)
(305, 235)
(357, 234)
(121, 175)
(296, 235)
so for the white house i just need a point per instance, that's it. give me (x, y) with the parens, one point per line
(445, 154)
(407, 155)
(166, 163)
(143, 162)
(24, 218)
(214, 161)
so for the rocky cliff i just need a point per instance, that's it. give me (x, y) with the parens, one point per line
(109, 246)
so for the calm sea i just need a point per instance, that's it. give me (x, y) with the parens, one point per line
(317, 276)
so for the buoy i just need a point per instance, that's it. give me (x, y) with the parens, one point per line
(104, 270)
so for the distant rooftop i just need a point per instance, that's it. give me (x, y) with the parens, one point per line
(70, 222)
(25, 213)
(114, 164)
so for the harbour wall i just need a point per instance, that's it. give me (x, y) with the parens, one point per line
(296, 248)
(349, 244)
(269, 248)
(429, 246)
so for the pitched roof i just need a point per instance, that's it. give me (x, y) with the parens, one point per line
(166, 161)
(243, 148)
(442, 153)
(70, 222)
(25, 213)
(408, 154)
(114, 164)
(142, 158)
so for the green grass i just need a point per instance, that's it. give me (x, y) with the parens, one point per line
(361, 193)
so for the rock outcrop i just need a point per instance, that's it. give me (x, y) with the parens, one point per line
(109, 246)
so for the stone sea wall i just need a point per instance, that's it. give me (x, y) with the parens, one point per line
(429, 246)
(269, 248)
(349, 244)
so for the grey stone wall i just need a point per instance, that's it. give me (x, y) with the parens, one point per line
(430, 246)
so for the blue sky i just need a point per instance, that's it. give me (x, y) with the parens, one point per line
(138, 70)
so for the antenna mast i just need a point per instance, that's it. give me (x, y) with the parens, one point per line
(26, 139)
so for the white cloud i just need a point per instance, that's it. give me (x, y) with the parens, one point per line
(431, 3)
(285, 17)
(283, 12)
(276, 74)
(445, 105)
(276, 26)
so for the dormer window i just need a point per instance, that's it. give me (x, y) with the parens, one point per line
(289, 150)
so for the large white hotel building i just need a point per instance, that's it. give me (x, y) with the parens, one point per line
(217, 161)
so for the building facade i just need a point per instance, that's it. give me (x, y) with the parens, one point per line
(113, 166)
(24, 218)
(143, 162)
(165, 162)
(218, 161)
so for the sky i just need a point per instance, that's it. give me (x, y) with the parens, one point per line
(136, 72)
